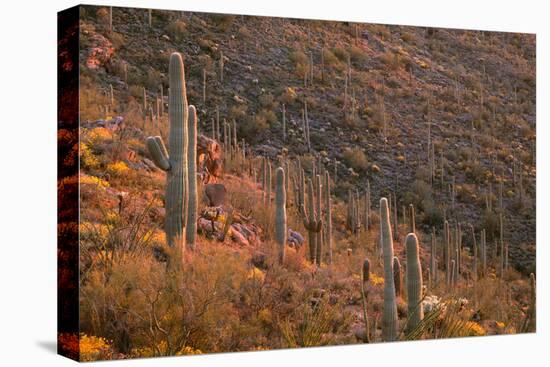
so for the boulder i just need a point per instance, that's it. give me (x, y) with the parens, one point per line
(238, 237)
(209, 158)
(215, 194)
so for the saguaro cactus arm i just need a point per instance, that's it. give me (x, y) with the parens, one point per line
(158, 152)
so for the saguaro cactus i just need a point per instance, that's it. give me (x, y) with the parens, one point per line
(328, 216)
(365, 275)
(318, 201)
(412, 219)
(414, 282)
(174, 164)
(312, 222)
(280, 213)
(191, 229)
(389, 316)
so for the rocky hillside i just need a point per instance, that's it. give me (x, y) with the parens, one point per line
(382, 102)
(441, 122)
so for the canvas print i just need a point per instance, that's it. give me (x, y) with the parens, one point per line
(244, 183)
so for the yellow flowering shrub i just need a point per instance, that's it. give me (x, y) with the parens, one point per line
(93, 180)
(475, 329)
(375, 279)
(188, 351)
(256, 274)
(93, 348)
(117, 168)
(162, 348)
(97, 135)
(87, 158)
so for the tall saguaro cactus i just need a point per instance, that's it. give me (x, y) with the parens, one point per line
(312, 221)
(328, 216)
(192, 214)
(389, 315)
(414, 282)
(280, 213)
(175, 163)
(318, 201)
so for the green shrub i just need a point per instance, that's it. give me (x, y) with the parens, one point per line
(356, 159)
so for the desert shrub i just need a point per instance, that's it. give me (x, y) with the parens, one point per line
(357, 54)
(140, 303)
(251, 127)
(300, 61)
(330, 58)
(93, 348)
(153, 79)
(356, 159)
(117, 39)
(118, 168)
(432, 215)
(267, 115)
(476, 171)
(390, 59)
(490, 222)
(102, 16)
(311, 325)
(288, 96)
(92, 102)
(238, 112)
(116, 67)
(223, 21)
(87, 158)
(341, 54)
(267, 101)
(408, 37)
(420, 195)
(177, 30)
(244, 32)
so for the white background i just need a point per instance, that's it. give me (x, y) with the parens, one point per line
(28, 181)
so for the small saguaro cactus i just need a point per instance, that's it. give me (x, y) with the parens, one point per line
(192, 208)
(447, 252)
(175, 163)
(311, 220)
(328, 216)
(221, 66)
(414, 282)
(412, 219)
(280, 214)
(144, 101)
(365, 276)
(306, 127)
(111, 95)
(389, 315)
(268, 183)
(110, 19)
(284, 123)
(474, 253)
(433, 257)
(318, 206)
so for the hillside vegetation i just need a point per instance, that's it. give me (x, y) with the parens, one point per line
(440, 122)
